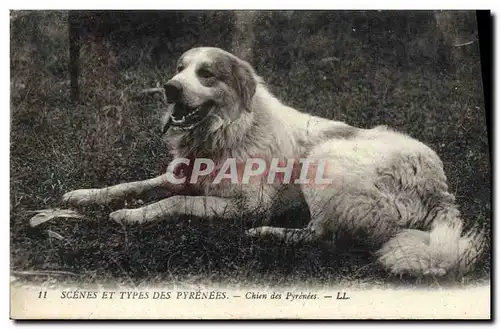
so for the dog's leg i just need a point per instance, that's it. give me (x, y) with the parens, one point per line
(200, 206)
(316, 230)
(289, 235)
(157, 185)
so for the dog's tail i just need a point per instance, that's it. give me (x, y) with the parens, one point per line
(444, 250)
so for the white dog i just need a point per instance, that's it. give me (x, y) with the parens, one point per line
(380, 183)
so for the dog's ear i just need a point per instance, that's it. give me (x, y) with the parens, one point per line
(244, 82)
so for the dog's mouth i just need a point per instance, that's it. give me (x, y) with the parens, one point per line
(186, 117)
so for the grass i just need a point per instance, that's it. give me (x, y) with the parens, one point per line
(362, 68)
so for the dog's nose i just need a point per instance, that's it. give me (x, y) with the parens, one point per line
(173, 91)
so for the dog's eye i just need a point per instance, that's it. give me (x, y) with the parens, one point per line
(180, 67)
(204, 73)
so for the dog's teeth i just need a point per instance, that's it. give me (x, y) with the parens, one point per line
(193, 112)
(183, 119)
(177, 121)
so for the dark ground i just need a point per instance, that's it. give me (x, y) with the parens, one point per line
(367, 69)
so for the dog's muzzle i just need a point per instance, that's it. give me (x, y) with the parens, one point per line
(183, 116)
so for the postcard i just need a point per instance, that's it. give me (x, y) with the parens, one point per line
(285, 164)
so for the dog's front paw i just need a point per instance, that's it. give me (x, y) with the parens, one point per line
(83, 197)
(435, 272)
(257, 231)
(127, 216)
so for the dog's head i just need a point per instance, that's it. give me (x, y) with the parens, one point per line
(210, 86)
